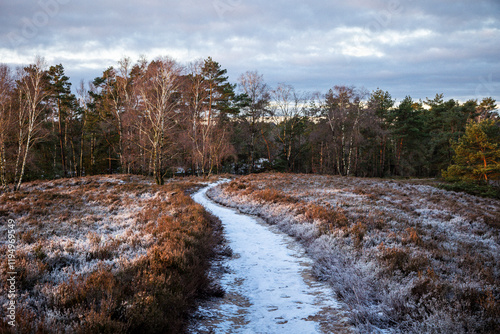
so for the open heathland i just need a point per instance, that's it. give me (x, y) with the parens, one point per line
(401, 255)
(107, 254)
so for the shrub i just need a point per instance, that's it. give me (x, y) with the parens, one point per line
(358, 232)
(150, 293)
(473, 188)
(329, 217)
(412, 236)
(394, 258)
(273, 196)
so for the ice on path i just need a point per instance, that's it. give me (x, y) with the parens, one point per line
(269, 288)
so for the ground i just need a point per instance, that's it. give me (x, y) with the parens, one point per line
(119, 254)
(402, 256)
(105, 254)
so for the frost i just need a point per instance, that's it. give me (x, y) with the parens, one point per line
(412, 238)
(69, 228)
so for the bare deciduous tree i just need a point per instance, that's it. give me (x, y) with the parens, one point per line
(286, 110)
(258, 93)
(345, 113)
(32, 92)
(159, 95)
(195, 94)
(83, 100)
(6, 88)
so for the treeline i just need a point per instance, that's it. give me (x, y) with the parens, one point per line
(160, 118)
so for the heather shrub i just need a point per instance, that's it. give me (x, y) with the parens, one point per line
(329, 217)
(412, 236)
(273, 196)
(402, 256)
(101, 256)
(358, 233)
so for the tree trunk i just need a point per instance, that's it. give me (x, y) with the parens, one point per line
(92, 153)
(398, 156)
(120, 140)
(61, 139)
(82, 145)
(23, 166)
(3, 167)
(75, 165)
(267, 145)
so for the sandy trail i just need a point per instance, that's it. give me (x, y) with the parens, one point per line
(268, 283)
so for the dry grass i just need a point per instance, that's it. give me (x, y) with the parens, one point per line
(403, 256)
(110, 254)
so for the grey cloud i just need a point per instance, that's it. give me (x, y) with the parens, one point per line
(404, 46)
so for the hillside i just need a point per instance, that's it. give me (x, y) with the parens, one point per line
(401, 256)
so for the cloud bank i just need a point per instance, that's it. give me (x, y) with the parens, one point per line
(407, 47)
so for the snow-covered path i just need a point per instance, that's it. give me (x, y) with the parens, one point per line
(268, 283)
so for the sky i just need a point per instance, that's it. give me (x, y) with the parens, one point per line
(406, 47)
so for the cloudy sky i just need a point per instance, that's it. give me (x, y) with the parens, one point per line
(407, 47)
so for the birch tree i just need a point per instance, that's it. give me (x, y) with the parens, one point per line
(31, 91)
(195, 96)
(345, 113)
(158, 117)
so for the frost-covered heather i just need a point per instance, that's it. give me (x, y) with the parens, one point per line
(404, 257)
(67, 224)
(78, 236)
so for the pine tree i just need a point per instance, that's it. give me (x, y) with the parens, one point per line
(407, 128)
(477, 153)
(63, 102)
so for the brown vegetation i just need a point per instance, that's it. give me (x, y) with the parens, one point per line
(402, 256)
(135, 261)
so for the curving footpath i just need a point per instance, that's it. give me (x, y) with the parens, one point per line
(268, 283)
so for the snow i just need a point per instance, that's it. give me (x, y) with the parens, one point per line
(268, 282)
